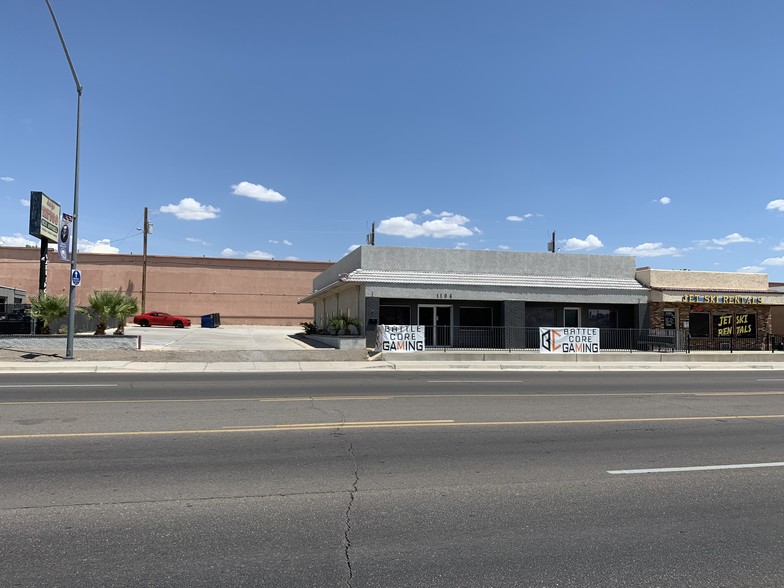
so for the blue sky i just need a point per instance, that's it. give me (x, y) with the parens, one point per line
(283, 129)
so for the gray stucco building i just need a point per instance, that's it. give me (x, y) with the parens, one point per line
(452, 290)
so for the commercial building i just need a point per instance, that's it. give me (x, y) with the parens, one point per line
(456, 291)
(717, 309)
(456, 294)
(242, 291)
(10, 296)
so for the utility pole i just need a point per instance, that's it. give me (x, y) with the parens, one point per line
(551, 244)
(147, 228)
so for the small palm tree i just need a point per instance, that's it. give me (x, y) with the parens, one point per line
(48, 309)
(103, 304)
(126, 306)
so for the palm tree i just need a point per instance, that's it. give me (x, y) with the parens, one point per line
(48, 308)
(126, 306)
(103, 303)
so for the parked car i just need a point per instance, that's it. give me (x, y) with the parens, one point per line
(161, 319)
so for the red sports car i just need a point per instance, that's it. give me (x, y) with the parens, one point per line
(161, 319)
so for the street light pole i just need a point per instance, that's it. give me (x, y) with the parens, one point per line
(72, 291)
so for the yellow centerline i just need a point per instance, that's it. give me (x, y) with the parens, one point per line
(390, 424)
(391, 397)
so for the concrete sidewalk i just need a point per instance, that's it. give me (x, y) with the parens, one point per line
(284, 349)
(427, 361)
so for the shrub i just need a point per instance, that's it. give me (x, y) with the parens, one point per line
(310, 328)
(339, 325)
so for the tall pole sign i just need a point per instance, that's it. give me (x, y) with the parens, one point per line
(44, 224)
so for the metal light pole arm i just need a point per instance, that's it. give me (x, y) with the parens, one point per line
(74, 241)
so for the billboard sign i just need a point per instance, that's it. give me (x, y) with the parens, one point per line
(44, 217)
(400, 338)
(568, 340)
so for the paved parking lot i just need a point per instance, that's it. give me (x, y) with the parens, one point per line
(223, 338)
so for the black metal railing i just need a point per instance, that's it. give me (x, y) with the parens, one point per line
(628, 340)
(15, 319)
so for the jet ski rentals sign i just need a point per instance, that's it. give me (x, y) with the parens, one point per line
(400, 338)
(568, 340)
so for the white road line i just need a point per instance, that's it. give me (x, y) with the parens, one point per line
(58, 385)
(475, 381)
(739, 466)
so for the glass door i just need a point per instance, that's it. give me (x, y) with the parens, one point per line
(571, 317)
(437, 320)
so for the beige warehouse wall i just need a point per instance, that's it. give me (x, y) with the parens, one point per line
(243, 291)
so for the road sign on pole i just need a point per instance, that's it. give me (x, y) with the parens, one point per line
(76, 277)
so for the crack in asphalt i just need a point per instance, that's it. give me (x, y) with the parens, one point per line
(347, 530)
(337, 433)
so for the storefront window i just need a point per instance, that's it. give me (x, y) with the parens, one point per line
(539, 317)
(475, 316)
(746, 325)
(604, 319)
(394, 315)
(699, 324)
(722, 325)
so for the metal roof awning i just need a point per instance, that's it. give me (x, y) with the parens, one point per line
(362, 276)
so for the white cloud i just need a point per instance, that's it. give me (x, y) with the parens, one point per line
(504, 247)
(779, 247)
(229, 252)
(25, 202)
(195, 240)
(773, 261)
(590, 243)
(273, 241)
(292, 258)
(775, 205)
(190, 209)
(287, 242)
(412, 216)
(648, 250)
(99, 246)
(352, 247)
(447, 225)
(752, 269)
(427, 212)
(18, 240)
(732, 238)
(515, 218)
(664, 200)
(258, 255)
(400, 226)
(257, 192)
(7, 178)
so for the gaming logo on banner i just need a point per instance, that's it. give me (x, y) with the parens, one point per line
(400, 338)
(568, 340)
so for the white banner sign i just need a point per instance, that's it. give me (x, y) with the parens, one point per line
(400, 338)
(568, 340)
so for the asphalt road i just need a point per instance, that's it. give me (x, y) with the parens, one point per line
(392, 479)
